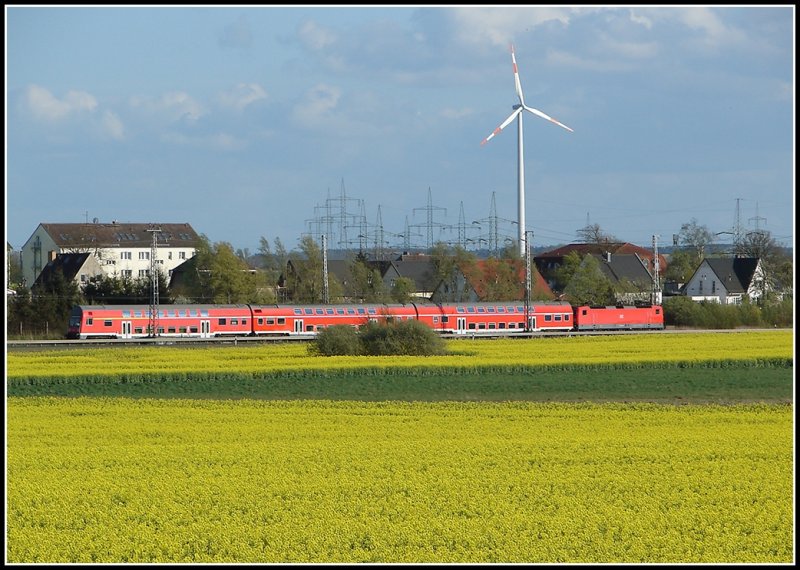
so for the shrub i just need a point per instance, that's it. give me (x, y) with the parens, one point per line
(336, 340)
(404, 338)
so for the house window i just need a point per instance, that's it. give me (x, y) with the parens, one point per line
(144, 272)
(144, 255)
(126, 255)
(127, 273)
(713, 286)
(181, 255)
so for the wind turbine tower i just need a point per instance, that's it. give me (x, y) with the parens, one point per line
(517, 113)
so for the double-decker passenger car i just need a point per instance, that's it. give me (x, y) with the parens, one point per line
(133, 321)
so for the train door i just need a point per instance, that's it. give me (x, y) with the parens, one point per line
(461, 324)
(205, 329)
(126, 329)
(298, 325)
(532, 323)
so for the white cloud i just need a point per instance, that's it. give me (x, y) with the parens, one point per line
(314, 36)
(242, 95)
(111, 126)
(450, 113)
(499, 26)
(318, 105)
(218, 141)
(46, 107)
(172, 107)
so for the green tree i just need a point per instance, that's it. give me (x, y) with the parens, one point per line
(51, 304)
(402, 290)
(447, 263)
(366, 282)
(305, 284)
(588, 285)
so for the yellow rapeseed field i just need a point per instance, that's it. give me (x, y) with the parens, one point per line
(118, 480)
(561, 351)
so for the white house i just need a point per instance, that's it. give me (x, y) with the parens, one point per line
(120, 249)
(726, 280)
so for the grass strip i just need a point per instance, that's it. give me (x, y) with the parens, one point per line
(718, 382)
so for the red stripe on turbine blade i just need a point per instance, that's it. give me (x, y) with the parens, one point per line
(497, 130)
(515, 69)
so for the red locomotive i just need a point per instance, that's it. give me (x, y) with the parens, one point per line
(486, 318)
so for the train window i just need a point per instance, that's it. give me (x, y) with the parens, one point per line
(183, 314)
(234, 321)
(351, 311)
(89, 321)
(108, 323)
(372, 311)
(203, 312)
(362, 312)
(126, 314)
(329, 311)
(658, 311)
(566, 316)
(501, 309)
(583, 312)
(137, 313)
(520, 309)
(222, 321)
(445, 319)
(481, 309)
(490, 309)
(309, 311)
(138, 330)
(244, 321)
(510, 325)
(492, 326)
(192, 329)
(501, 325)
(482, 326)
(309, 328)
(281, 321)
(160, 330)
(460, 309)
(171, 330)
(298, 311)
(558, 318)
(435, 320)
(470, 309)
(269, 321)
(510, 309)
(472, 326)
(548, 318)
(339, 311)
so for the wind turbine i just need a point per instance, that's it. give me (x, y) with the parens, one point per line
(520, 156)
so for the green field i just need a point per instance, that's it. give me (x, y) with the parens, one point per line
(650, 449)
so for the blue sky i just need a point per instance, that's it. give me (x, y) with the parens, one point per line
(250, 122)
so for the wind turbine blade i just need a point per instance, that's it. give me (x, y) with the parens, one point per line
(510, 118)
(517, 84)
(548, 117)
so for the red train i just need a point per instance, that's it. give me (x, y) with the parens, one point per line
(498, 318)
